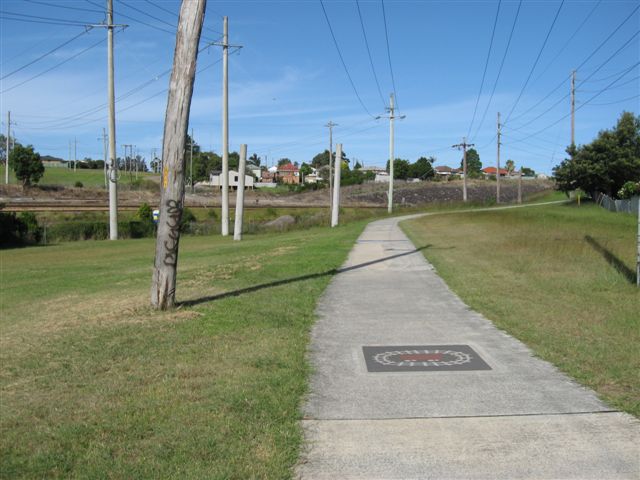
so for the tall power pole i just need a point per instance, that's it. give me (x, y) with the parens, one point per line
(330, 126)
(392, 117)
(75, 153)
(225, 124)
(498, 162)
(463, 146)
(335, 207)
(104, 146)
(573, 108)
(191, 162)
(6, 166)
(113, 178)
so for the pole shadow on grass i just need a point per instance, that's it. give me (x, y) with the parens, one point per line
(614, 261)
(286, 281)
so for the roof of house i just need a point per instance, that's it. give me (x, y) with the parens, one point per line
(288, 167)
(492, 171)
(445, 169)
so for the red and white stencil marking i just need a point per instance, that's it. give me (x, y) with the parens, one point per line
(422, 358)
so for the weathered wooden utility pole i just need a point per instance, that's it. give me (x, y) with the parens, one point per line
(163, 287)
(237, 226)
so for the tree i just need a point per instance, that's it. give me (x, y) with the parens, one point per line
(27, 164)
(400, 168)
(510, 166)
(474, 165)
(305, 169)
(605, 164)
(423, 168)
(323, 159)
(528, 172)
(255, 159)
(284, 161)
(357, 166)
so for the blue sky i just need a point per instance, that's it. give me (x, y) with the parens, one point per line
(287, 82)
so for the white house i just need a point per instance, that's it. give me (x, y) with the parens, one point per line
(382, 177)
(215, 179)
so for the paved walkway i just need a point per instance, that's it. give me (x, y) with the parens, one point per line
(522, 419)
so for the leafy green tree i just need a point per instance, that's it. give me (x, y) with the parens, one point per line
(510, 165)
(255, 159)
(605, 164)
(400, 168)
(284, 161)
(474, 165)
(305, 169)
(422, 168)
(323, 159)
(357, 166)
(27, 164)
(528, 172)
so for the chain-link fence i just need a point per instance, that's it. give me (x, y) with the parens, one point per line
(613, 205)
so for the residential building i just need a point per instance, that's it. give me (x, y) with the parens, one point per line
(216, 181)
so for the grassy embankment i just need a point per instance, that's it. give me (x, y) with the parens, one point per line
(95, 384)
(560, 278)
(66, 177)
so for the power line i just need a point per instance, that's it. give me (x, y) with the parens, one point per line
(615, 30)
(178, 16)
(344, 65)
(536, 62)
(48, 21)
(147, 14)
(585, 103)
(386, 36)
(577, 30)
(79, 9)
(53, 67)
(615, 102)
(486, 64)
(366, 42)
(612, 88)
(504, 56)
(44, 55)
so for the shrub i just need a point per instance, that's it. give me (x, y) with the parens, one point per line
(629, 189)
(78, 184)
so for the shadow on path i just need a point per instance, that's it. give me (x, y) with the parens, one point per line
(614, 261)
(286, 281)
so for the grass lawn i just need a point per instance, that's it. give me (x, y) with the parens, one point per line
(546, 275)
(95, 384)
(67, 177)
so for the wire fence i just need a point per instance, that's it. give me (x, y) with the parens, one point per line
(613, 205)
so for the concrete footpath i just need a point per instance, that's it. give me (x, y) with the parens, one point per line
(439, 392)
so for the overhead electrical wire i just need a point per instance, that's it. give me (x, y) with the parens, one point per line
(620, 85)
(178, 16)
(555, 18)
(583, 104)
(44, 55)
(344, 65)
(386, 36)
(628, 99)
(504, 56)
(566, 44)
(486, 64)
(38, 19)
(589, 57)
(582, 82)
(54, 66)
(57, 5)
(366, 42)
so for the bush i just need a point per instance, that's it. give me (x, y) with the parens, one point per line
(19, 230)
(629, 189)
(78, 184)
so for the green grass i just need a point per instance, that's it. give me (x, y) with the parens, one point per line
(96, 384)
(67, 177)
(536, 275)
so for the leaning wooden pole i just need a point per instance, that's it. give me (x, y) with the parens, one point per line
(163, 287)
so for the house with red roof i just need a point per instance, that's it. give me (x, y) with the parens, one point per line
(288, 173)
(491, 172)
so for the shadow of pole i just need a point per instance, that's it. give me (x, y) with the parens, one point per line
(614, 261)
(286, 281)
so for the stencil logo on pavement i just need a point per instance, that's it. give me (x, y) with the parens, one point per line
(423, 358)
